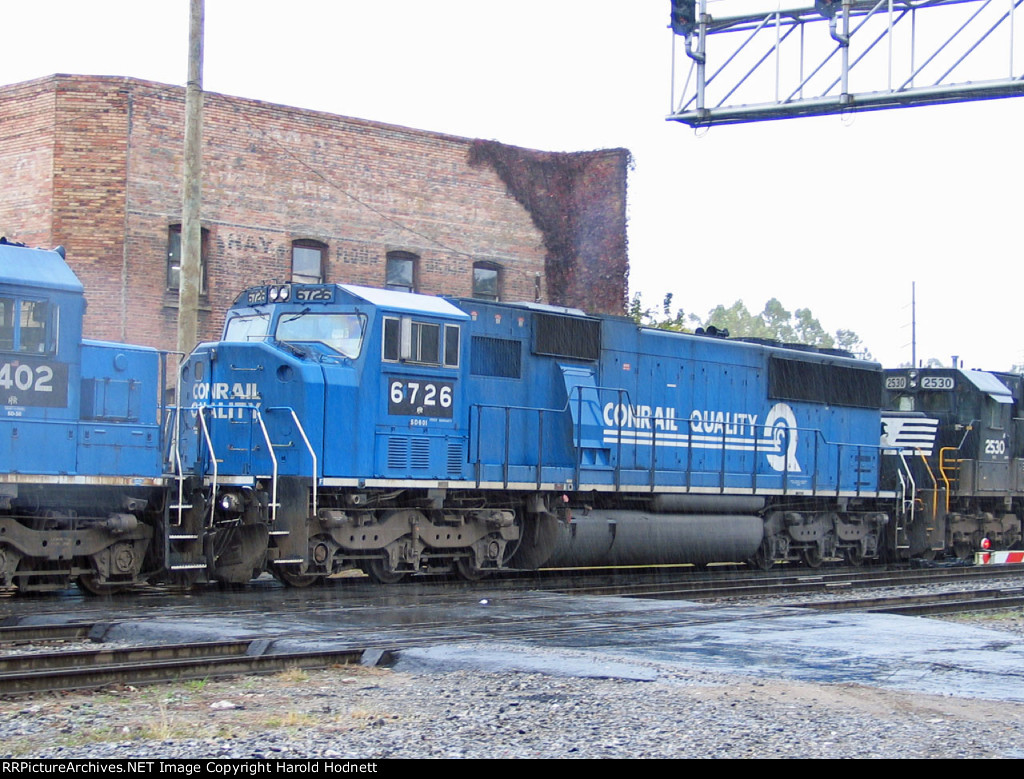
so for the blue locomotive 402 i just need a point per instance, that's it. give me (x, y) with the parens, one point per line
(81, 468)
(339, 427)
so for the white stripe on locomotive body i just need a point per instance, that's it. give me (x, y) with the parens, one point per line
(776, 437)
(731, 443)
(908, 435)
(82, 480)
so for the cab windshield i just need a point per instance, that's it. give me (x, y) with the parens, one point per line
(247, 328)
(342, 333)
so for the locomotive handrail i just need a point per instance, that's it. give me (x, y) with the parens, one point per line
(305, 440)
(943, 467)
(480, 407)
(273, 459)
(840, 446)
(935, 483)
(213, 459)
(201, 408)
(162, 406)
(621, 394)
(912, 503)
(179, 468)
(719, 441)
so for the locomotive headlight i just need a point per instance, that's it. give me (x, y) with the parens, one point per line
(274, 291)
(286, 292)
(231, 502)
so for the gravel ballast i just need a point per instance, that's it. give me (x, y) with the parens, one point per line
(355, 712)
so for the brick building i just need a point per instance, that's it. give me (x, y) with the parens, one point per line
(95, 164)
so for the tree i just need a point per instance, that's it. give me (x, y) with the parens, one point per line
(849, 341)
(775, 323)
(738, 320)
(666, 320)
(778, 323)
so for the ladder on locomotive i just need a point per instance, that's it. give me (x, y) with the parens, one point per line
(914, 497)
(178, 534)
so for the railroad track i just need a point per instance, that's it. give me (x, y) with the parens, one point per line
(799, 581)
(360, 641)
(956, 602)
(86, 669)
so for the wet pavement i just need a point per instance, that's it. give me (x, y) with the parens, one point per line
(607, 637)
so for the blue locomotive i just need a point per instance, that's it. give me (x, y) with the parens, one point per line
(81, 466)
(337, 427)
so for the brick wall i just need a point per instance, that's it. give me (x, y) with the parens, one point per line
(26, 154)
(101, 170)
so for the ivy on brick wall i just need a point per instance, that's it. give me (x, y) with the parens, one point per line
(578, 203)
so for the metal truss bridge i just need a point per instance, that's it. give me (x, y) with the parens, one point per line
(839, 56)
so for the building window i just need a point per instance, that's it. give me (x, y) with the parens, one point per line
(308, 262)
(174, 258)
(401, 272)
(486, 281)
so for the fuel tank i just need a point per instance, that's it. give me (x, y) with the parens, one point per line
(630, 537)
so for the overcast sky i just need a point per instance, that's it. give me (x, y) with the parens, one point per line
(832, 214)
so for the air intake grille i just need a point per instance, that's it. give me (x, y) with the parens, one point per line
(398, 454)
(455, 458)
(420, 459)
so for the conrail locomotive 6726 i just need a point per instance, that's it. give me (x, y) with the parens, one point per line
(336, 427)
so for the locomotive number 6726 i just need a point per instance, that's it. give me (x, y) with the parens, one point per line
(420, 397)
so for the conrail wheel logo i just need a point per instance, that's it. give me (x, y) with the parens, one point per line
(780, 427)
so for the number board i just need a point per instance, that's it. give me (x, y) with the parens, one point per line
(895, 382)
(420, 398)
(27, 382)
(256, 296)
(937, 382)
(307, 294)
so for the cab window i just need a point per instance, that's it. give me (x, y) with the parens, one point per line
(342, 333)
(26, 326)
(242, 329)
(425, 343)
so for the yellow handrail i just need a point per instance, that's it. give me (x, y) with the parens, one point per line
(945, 466)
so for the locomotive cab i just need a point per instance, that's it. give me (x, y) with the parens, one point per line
(326, 409)
(972, 482)
(80, 464)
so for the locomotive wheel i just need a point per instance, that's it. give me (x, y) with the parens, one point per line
(854, 557)
(183, 580)
(962, 549)
(26, 583)
(811, 557)
(293, 579)
(762, 559)
(380, 573)
(90, 585)
(465, 568)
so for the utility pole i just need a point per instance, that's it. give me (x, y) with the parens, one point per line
(191, 228)
(913, 324)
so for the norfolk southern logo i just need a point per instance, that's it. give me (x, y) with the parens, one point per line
(908, 435)
(776, 437)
